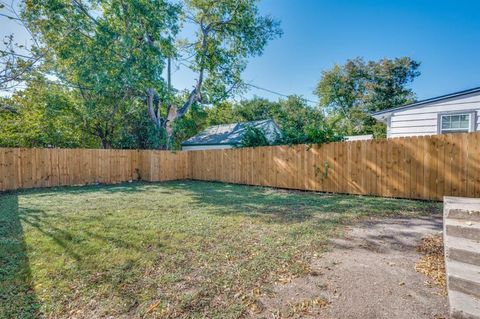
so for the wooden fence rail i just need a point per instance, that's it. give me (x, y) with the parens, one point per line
(427, 167)
(26, 168)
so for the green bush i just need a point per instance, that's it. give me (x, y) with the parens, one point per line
(254, 137)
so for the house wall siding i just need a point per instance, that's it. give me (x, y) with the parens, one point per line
(423, 120)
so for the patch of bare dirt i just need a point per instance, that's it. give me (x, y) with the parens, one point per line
(369, 273)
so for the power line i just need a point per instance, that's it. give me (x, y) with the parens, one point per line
(91, 89)
(277, 93)
(10, 17)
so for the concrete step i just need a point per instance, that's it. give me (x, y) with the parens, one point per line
(463, 250)
(464, 244)
(462, 228)
(464, 214)
(462, 202)
(463, 306)
(466, 271)
(463, 285)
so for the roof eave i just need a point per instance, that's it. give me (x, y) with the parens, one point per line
(386, 113)
(381, 116)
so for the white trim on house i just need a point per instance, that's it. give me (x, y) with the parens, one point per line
(425, 118)
(206, 147)
(472, 120)
(358, 137)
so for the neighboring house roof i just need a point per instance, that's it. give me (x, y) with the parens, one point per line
(231, 134)
(386, 113)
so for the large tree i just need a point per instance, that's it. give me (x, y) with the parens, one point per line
(350, 92)
(111, 51)
(226, 34)
(115, 52)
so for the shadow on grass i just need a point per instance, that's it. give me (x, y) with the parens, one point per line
(18, 298)
(17, 295)
(38, 219)
(315, 214)
(135, 186)
(284, 206)
(399, 234)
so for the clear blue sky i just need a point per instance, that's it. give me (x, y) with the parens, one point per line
(443, 35)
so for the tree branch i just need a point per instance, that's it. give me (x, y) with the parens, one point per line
(82, 8)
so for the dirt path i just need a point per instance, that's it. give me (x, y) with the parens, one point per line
(370, 273)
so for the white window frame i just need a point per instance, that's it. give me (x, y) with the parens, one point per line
(471, 121)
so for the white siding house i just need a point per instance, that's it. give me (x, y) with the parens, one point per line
(453, 113)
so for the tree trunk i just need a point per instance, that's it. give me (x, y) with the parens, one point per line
(102, 134)
(106, 144)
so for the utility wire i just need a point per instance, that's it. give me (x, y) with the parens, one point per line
(79, 6)
(90, 89)
(277, 93)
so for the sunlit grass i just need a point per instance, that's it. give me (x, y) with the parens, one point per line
(177, 249)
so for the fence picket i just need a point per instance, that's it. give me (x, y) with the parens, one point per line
(427, 167)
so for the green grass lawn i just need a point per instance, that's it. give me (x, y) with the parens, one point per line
(177, 249)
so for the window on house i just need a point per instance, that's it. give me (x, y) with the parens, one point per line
(455, 123)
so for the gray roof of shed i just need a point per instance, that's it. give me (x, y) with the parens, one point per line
(227, 134)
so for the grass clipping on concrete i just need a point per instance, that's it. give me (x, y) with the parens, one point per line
(432, 263)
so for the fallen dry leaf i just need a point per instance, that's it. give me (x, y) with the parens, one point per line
(305, 307)
(153, 307)
(432, 264)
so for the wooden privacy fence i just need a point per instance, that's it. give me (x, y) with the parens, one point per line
(27, 168)
(427, 167)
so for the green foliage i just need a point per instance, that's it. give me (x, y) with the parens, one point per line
(258, 109)
(136, 131)
(350, 92)
(111, 51)
(43, 115)
(189, 125)
(302, 123)
(221, 113)
(50, 115)
(228, 32)
(299, 122)
(253, 137)
(120, 51)
(315, 134)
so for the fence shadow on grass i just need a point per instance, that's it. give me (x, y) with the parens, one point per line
(126, 187)
(321, 213)
(18, 295)
(283, 206)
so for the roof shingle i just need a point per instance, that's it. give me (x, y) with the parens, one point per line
(229, 134)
